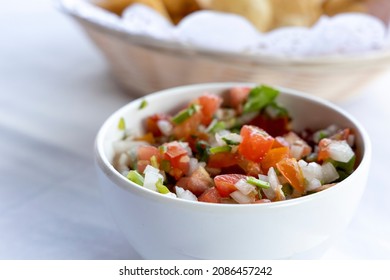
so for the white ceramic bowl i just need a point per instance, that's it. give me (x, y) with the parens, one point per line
(160, 227)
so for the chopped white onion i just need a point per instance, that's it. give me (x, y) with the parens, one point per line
(263, 177)
(152, 175)
(311, 170)
(225, 114)
(219, 135)
(291, 137)
(170, 194)
(151, 169)
(332, 129)
(165, 127)
(271, 192)
(298, 147)
(185, 194)
(234, 137)
(273, 178)
(275, 190)
(151, 178)
(122, 163)
(186, 146)
(340, 151)
(243, 186)
(241, 198)
(329, 173)
(313, 184)
(318, 135)
(296, 151)
(194, 164)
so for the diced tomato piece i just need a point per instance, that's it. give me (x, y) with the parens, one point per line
(177, 173)
(146, 152)
(273, 157)
(290, 170)
(222, 160)
(151, 124)
(274, 126)
(342, 134)
(225, 183)
(238, 96)
(255, 143)
(183, 182)
(178, 158)
(323, 152)
(210, 195)
(210, 104)
(199, 181)
(189, 127)
(174, 149)
(141, 165)
(250, 167)
(179, 166)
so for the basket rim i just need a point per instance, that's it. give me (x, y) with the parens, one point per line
(179, 49)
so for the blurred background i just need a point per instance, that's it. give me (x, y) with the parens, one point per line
(57, 88)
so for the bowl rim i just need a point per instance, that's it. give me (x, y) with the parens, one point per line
(178, 49)
(119, 180)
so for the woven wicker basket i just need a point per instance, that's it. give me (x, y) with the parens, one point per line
(143, 65)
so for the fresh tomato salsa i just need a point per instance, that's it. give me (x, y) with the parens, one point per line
(238, 149)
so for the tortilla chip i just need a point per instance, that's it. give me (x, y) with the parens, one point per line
(296, 13)
(259, 12)
(178, 9)
(333, 7)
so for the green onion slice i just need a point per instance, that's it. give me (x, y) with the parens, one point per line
(154, 162)
(122, 124)
(185, 114)
(230, 142)
(258, 183)
(135, 177)
(220, 149)
(161, 188)
(216, 126)
(143, 104)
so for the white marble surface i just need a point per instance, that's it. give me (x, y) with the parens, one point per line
(55, 92)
